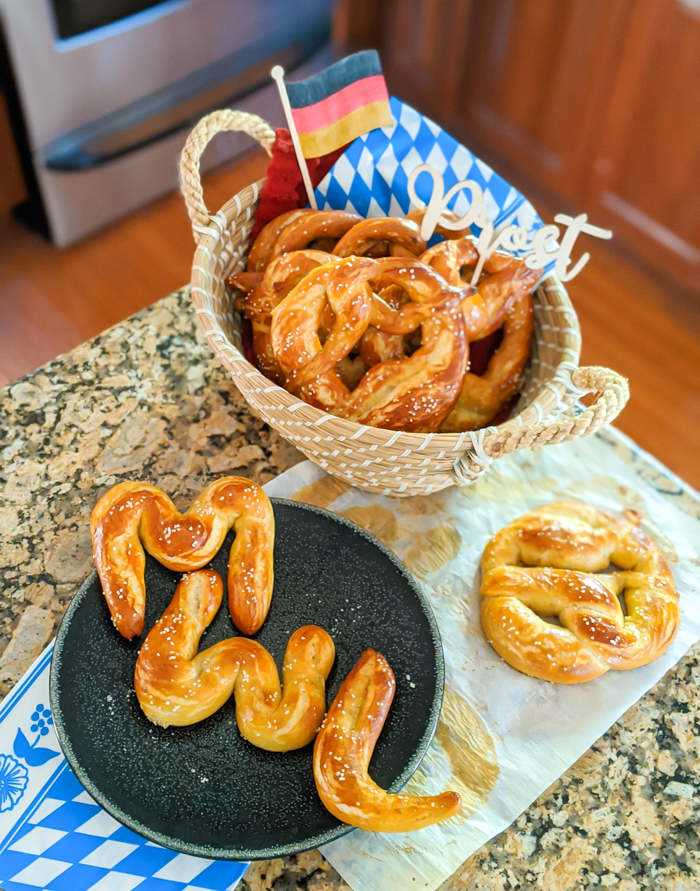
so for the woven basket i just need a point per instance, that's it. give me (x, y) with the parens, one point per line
(383, 460)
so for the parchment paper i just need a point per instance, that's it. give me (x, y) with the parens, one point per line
(503, 737)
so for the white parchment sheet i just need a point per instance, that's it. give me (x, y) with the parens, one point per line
(532, 729)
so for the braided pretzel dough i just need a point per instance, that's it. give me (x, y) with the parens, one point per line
(281, 276)
(177, 686)
(544, 564)
(314, 226)
(503, 277)
(380, 237)
(482, 397)
(131, 514)
(414, 393)
(344, 748)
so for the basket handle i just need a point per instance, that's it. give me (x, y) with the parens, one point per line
(612, 391)
(217, 122)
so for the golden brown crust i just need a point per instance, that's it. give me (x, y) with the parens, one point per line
(414, 393)
(314, 226)
(503, 278)
(397, 368)
(344, 748)
(177, 686)
(281, 276)
(482, 396)
(417, 393)
(133, 514)
(379, 236)
(261, 251)
(542, 565)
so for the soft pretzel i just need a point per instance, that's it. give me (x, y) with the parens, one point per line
(414, 393)
(133, 514)
(417, 393)
(177, 686)
(546, 564)
(502, 278)
(281, 276)
(302, 232)
(380, 237)
(343, 285)
(482, 397)
(261, 250)
(344, 748)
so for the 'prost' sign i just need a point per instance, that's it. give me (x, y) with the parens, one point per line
(540, 247)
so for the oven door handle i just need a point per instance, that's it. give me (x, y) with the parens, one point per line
(180, 105)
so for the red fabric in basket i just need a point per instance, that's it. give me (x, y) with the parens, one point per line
(284, 188)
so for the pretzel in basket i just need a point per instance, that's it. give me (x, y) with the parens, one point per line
(344, 748)
(261, 250)
(503, 277)
(381, 237)
(265, 291)
(319, 228)
(483, 396)
(177, 686)
(547, 564)
(297, 230)
(416, 392)
(132, 516)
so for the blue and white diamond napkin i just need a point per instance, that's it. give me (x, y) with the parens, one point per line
(54, 836)
(371, 176)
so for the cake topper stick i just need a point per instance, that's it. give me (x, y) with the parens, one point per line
(278, 74)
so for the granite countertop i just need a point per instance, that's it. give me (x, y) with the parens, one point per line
(148, 400)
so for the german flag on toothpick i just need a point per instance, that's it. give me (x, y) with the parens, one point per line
(337, 105)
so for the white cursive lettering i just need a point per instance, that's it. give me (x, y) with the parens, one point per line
(540, 245)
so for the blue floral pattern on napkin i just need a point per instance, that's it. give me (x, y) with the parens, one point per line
(54, 836)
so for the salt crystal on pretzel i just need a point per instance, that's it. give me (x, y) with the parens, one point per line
(175, 686)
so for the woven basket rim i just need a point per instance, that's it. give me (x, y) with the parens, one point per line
(552, 395)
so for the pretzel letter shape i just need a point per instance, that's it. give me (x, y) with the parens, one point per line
(132, 513)
(343, 750)
(177, 686)
(542, 565)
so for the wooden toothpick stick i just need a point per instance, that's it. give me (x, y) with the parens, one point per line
(278, 75)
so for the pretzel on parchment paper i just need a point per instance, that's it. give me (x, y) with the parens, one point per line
(549, 563)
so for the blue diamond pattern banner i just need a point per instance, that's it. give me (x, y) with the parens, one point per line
(54, 836)
(371, 177)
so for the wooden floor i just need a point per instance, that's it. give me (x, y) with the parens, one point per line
(632, 320)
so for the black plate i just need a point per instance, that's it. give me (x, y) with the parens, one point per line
(203, 789)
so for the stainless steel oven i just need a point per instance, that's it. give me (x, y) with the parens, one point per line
(104, 91)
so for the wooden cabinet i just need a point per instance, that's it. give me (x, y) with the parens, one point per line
(12, 188)
(645, 173)
(596, 100)
(425, 51)
(536, 78)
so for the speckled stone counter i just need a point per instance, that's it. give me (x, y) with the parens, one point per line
(148, 400)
